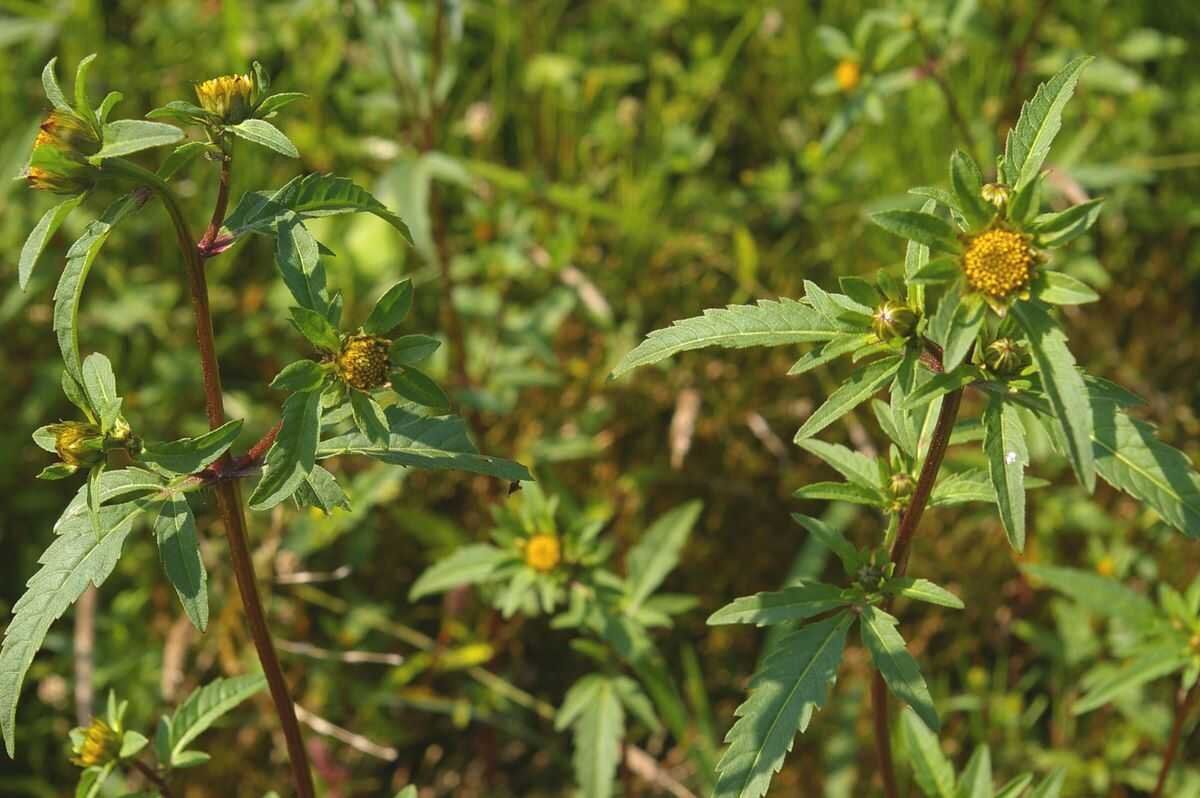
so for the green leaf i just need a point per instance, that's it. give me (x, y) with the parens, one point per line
(293, 454)
(179, 551)
(437, 443)
(1154, 664)
(967, 183)
(83, 106)
(976, 780)
(1007, 456)
(1063, 289)
(895, 664)
(299, 260)
(916, 257)
(92, 780)
(841, 492)
(932, 770)
(923, 590)
(127, 136)
(132, 743)
(1059, 229)
(856, 389)
(190, 455)
(321, 490)
(1063, 385)
(854, 466)
(769, 323)
(1051, 787)
(76, 558)
(962, 486)
(309, 196)
(184, 113)
(67, 295)
(792, 683)
(923, 228)
(53, 92)
(941, 269)
(1029, 141)
(272, 104)
(795, 603)
(390, 310)
(40, 236)
(942, 384)
(205, 706)
(128, 484)
(100, 385)
(964, 328)
(599, 727)
(302, 375)
(657, 553)
(1098, 594)
(1015, 787)
(637, 702)
(369, 418)
(57, 471)
(264, 134)
(417, 386)
(181, 157)
(469, 565)
(832, 539)
(408, 350)
(317, 329)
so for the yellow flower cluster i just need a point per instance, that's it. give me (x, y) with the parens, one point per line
(999, 262)
(363, 362)
(542, 553)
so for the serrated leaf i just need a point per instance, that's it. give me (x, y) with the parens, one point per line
(598, 732)
(831, 539)
(1007, 456)
(264, 134)
(206, 705)
(1063, 385)
(293, 454)
(390, 310)
(1059, 229)
(127, 484)
(1098, 594)
(321, 490)
(437, 443)
(1154, 664)
(895, 664)
(962, 486)
(417, 386)
(916, 256)
(1063, 289)
(657, 553)
(794, 603)
(967, 183)
(40, 235)
(923, 590)
(769, 323)
(179, 552)
(841, 492)
(932, 770)
(468, 565)
(793, 682)
(127, 136)
(309, 196)
(856, 389)
(190, 455)
(942, 384)
(854, 466)
(76, 558)
(1029, 141)
(923, 228)
(301, 375)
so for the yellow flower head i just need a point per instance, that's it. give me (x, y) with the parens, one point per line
(363, 361)
(78, 443)
(543, 553)
(228, 96)
(999, 262)
(59, 159)
(101, 744)
(68, 133)
(848, 74)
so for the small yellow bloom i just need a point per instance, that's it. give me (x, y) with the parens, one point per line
(101, 744)
(60, 151)
(228, 96)
(999, 263)
(78, 443)
(542, 552)
(1106, 567)
(363, 362)
(848, 74)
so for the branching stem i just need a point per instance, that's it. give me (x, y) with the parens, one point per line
(1183, 705)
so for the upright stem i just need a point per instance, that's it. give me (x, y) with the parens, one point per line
(900, 550)
(1183, 704)
(152, 775)
(229, 501)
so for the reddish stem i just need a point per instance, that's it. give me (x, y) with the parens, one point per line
(1183, 704)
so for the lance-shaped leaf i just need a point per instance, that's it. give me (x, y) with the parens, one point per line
(923, 228)
(857, 388)
(468, 565)
(320, 489)
(54, 93)
(895, 664)
(963, 328)
(77, 557)
(390, 310)
(942, 384)
(309, 196)
(264, 134)
(769, 323)
(854, 466)
(657, 553)
(1007, 456)
(189, 455)
(316, 328)
(1098, 594)
(976, 781)
(1029, 141)
(202, 708)
(127, 136)
(40, 235)
(100, 385)
(592, 709)
(299, 262)
(1063, 385)
(293, 454)
(931, 768)
(417, 386)
(962, 486)
(922, 590)
(301, 375)
(793, 682)
(1063, 289)
(430, 442)
(841, 492)
(1155, 663)
(831, 539)
(794, 603)
(967, 183)
(408, 350)
(179, 550)
(1059, 229)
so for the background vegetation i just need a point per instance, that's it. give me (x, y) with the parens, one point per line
(576, 174)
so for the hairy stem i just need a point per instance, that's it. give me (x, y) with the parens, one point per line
(907, 529)
(222, 203)
(1183, 704)
(229, 501)
(154, 778)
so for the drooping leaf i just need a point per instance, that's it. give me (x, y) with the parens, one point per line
(657, 553)
(1029, 141)
(895, 664)
(127, 136)
(931, 768)
(792, 683)
(320, 489)
(856, 389)
(769, 323)
(264, 134)
(369, 418)
(1007, 456)
(179, 551)
(309, 196)
(293, 454)
(793, 603)
(205, 706)
(40, 236)
(189, 455)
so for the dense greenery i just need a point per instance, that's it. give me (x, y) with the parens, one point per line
(570, 177)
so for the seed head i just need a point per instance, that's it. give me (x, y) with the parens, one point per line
(363, 361)
(543, 552)
(848, 74)
(999, 262)
(893, 320)
(78, 443)
(228, 96)
(100, 745)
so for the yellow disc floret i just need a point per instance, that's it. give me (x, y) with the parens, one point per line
(227, 96)
(100, 745)
(999, 262)
(848, 74)
(363, 361)
(542, 552)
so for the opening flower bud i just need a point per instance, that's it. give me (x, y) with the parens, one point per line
(59, 162)
(363, 361)
(229, 96)
(543, 553)
(100, 745)
(78, 443)
(893, 320)
(1004, 357)
(996, 193)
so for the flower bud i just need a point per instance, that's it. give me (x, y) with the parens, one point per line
(229, 97)
(869, 577)
(100, 744)
(893, 320)
(78, 443)
(543, 552)
(996, 193)
(59, 162)
(1004, 357)
(848, 75)
(363, 361)
(902, 485)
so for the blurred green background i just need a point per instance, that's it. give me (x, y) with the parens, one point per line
(586, 172)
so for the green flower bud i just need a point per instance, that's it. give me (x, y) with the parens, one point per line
(893, 320)
(1004, 357)
(78, 443)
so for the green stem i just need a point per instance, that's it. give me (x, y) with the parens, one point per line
(228, 497)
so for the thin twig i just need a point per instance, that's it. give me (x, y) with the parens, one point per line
(84, 644)
(312, 577)
(1183, 704)
(355, 741)
(353, 657)
(648, 769)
